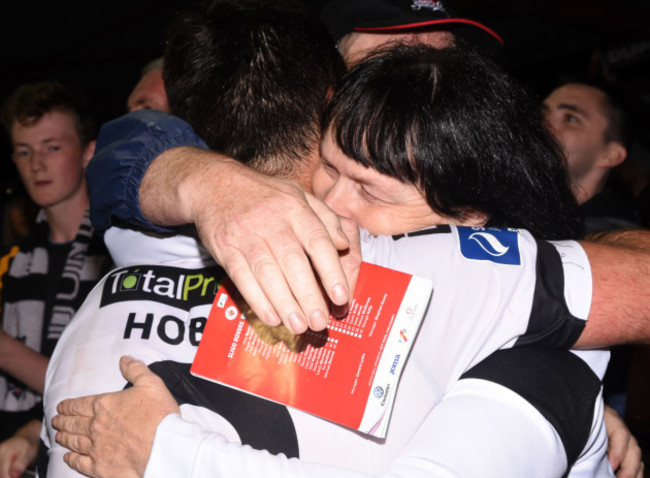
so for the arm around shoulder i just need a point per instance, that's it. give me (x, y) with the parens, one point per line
(620, 309)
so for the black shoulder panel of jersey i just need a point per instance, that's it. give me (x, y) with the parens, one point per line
(260, 423)
(551, 324)
(559, 384)
(441, 229)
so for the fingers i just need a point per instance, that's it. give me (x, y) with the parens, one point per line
(248, 286)
(624, 453)
(6, 459)
(323, 248)
(331, 221)
(278, 282)
(618, 442)
(311, 307)
(72, 424)
(77, 406)
(135, 371)
(631, 465)
(81, 463)
(78, 443)
(18, 467)
(276, 278)
(351, 259)
(282, 290)
(5, 466)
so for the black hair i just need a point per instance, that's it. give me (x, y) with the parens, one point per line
(251, 77)
(31, 101)
(454, 124)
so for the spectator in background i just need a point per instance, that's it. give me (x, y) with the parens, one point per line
(45, 278)
(592, 127)
(149, 93)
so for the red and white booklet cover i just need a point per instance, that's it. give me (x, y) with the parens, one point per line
(348, 373)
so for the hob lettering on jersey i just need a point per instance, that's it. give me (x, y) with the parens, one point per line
(180, 288)
(169, 329)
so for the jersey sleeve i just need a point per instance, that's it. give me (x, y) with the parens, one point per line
(560, 386)
(562, 296)
(125, 148)
(499, 286)
(485, 426)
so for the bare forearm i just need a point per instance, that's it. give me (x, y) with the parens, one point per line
(31, 431)
(635, 239)
(22, 363)
(173, 181)
(620, 310)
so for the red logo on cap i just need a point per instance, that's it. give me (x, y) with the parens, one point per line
(433, 5)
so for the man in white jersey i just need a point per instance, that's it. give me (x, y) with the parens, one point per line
(146, 307)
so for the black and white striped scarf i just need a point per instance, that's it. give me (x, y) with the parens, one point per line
(39, 294)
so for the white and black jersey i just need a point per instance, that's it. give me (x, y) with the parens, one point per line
(460, 410)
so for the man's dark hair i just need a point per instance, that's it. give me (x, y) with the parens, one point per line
(30, 102)
(251, 78)
(455, 125)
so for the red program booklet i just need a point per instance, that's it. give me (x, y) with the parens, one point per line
(347, 373)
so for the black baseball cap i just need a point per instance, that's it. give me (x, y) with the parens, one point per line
(393, 16)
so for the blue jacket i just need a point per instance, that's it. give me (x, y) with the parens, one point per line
(126, 146)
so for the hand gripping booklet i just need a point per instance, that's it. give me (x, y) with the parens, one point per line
(347, 373)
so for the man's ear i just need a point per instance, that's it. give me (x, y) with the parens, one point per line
(89, 152)
(613, 155)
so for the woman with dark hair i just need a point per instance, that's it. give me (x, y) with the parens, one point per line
(450, 128)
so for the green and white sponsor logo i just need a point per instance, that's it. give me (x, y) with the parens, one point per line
(174, 286)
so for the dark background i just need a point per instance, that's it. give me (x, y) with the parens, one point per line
(99, 48)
